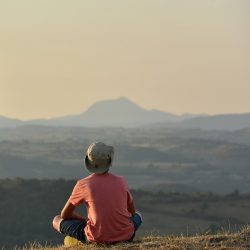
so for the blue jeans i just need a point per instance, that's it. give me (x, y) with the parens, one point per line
(75, 228)
(137, 220)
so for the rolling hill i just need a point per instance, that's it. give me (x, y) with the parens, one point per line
(219, 122)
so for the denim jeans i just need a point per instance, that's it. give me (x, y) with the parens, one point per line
(75, 228)
(137, 220)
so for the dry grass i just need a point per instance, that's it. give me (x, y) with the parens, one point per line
(235, 241)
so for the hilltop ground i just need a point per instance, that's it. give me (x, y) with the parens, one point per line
(236, 241)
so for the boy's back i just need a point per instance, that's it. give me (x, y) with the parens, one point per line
(111, 212)
(107, 197)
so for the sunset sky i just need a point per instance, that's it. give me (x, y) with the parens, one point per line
(58, 57)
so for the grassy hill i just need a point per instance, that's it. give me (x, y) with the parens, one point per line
(23, 202)
(240, 241)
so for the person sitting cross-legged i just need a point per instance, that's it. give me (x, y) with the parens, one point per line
(111, 212)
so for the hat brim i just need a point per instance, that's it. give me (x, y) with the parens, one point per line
(97, 170)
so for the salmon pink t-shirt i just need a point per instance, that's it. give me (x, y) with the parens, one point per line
(106, 197)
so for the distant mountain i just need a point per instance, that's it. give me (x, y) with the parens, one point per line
(122, 112)
(9, 122)
(219, 122)
(110, 113)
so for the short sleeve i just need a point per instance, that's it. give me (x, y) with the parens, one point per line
(76, 197)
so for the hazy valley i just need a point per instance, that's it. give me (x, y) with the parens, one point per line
(151, 158)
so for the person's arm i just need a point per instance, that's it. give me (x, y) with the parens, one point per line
(130, 203)
(131, 207)
(68, 213)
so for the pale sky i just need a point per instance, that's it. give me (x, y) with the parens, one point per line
(58, 57)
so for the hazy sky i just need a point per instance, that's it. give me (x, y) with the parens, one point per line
(58, 57)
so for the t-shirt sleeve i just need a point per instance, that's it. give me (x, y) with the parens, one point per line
(77, 195)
